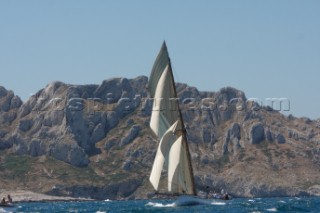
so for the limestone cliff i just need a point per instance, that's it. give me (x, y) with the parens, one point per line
(94, 141)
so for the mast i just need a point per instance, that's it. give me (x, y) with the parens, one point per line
(183, 130)
(168, 125)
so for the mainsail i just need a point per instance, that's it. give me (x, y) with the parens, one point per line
(166, 122)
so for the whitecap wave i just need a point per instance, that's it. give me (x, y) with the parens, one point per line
(272, 210)
(218, 203)
(2, 210)
(161, 205)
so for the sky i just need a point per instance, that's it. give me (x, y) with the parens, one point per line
(267, 49)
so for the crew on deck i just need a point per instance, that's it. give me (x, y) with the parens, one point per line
(223, 195)
(3, 201)
(9, 199)
(6, 202)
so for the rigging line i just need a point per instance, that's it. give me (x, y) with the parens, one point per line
(184, 136)
(176, 74)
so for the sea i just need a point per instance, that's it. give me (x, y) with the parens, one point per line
(237, 205)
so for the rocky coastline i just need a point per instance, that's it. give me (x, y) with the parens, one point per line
(94, 141)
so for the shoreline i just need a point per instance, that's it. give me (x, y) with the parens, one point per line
(25, 196)
(19, 196)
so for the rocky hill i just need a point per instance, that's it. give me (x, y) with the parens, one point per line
(94, 141)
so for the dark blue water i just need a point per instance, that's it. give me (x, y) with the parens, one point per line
(233, 206)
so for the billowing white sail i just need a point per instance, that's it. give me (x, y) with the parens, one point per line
(164, 110)
(166, 122)
(179, 175)
(162, 155)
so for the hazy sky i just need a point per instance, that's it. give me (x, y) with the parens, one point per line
(268, 49)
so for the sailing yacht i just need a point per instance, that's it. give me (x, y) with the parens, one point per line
(166, 122)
